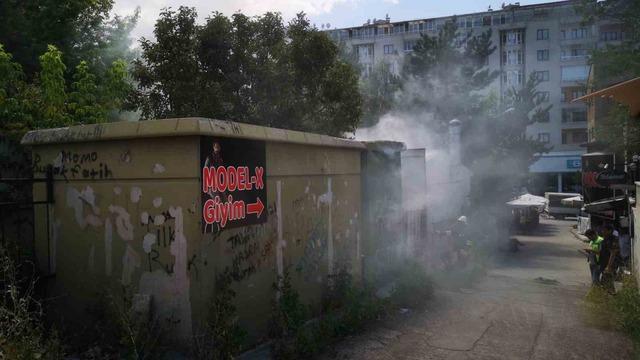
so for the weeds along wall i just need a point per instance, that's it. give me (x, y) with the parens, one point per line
(155, 213)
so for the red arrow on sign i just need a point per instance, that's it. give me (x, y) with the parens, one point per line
(255, 208)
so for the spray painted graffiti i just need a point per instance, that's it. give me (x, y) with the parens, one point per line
(73, 165)
(160, 235)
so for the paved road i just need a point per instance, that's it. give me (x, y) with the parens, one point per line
(507, 315)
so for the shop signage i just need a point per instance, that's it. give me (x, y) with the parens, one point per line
(233, 183)
(603, 179)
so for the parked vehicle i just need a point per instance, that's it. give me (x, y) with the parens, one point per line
(557, 209)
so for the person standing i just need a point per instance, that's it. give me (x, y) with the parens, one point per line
(609, 251)
(593, 255)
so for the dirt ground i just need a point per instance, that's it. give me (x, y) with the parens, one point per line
(529, 306)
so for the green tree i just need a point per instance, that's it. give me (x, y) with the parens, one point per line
(83, 105)
(14, 95)
(81, 29)
(615, 62)
(44, 102)
(52, 85)
(498, 145)
(447, 76)
(249, 69)
(618, 60)
(379, 90)
(450, 71)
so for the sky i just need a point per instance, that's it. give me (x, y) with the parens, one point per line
(335, 13)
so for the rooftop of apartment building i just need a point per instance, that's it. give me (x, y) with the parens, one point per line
(508, 13)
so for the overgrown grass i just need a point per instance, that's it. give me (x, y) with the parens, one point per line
(616, 312)
(117, 333)
(346, 309)
(22, 333)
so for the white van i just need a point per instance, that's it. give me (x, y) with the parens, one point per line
(556, 208)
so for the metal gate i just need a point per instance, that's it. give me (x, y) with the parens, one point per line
(17, 220)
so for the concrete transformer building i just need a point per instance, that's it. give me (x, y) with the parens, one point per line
(549, 40)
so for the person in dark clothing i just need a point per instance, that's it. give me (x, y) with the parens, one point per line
(608, 255)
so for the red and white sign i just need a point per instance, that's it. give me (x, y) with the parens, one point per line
(233, 183)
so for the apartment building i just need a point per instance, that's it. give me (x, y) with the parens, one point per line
(548, 39)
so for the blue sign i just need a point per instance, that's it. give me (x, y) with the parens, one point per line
(574, 164)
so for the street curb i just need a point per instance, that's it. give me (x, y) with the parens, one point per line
(578, 236)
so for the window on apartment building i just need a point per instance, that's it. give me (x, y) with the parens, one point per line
(543, 96)
(576, 53)
(542, 34)
(609, 36)
(574, 136)
(544, 137)
(486, 20)
(542, 75)
(512, 77)
(583, 33)
(568, 94)
(512, 57)
(512, 37)
(574, 115)
(414, 27)
(574, 73)
(409, 45)
(468, 22)
(430, 25)
(575, 33)
(477, 21)
(579, 115)
(366, 70)
(388, 49)
(364, 51)
(503, 19)
(543, 55)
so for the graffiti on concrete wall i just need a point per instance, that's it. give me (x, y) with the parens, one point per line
(72, 165)
(157, 230)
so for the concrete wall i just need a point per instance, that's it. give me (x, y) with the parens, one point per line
(414, 199)
(383, 215)
(127, 220)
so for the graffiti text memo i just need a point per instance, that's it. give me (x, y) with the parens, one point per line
(233, 180)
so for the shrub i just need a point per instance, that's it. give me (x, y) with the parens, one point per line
(22, 334)
(413, 288)
(222, 338)
(626, 305)
(345, 309)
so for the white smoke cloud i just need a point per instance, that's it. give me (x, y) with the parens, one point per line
(410, 129)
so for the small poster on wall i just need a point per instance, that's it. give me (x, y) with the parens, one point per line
(233, 183)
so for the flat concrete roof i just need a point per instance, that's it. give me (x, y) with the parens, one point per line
(192, 126)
